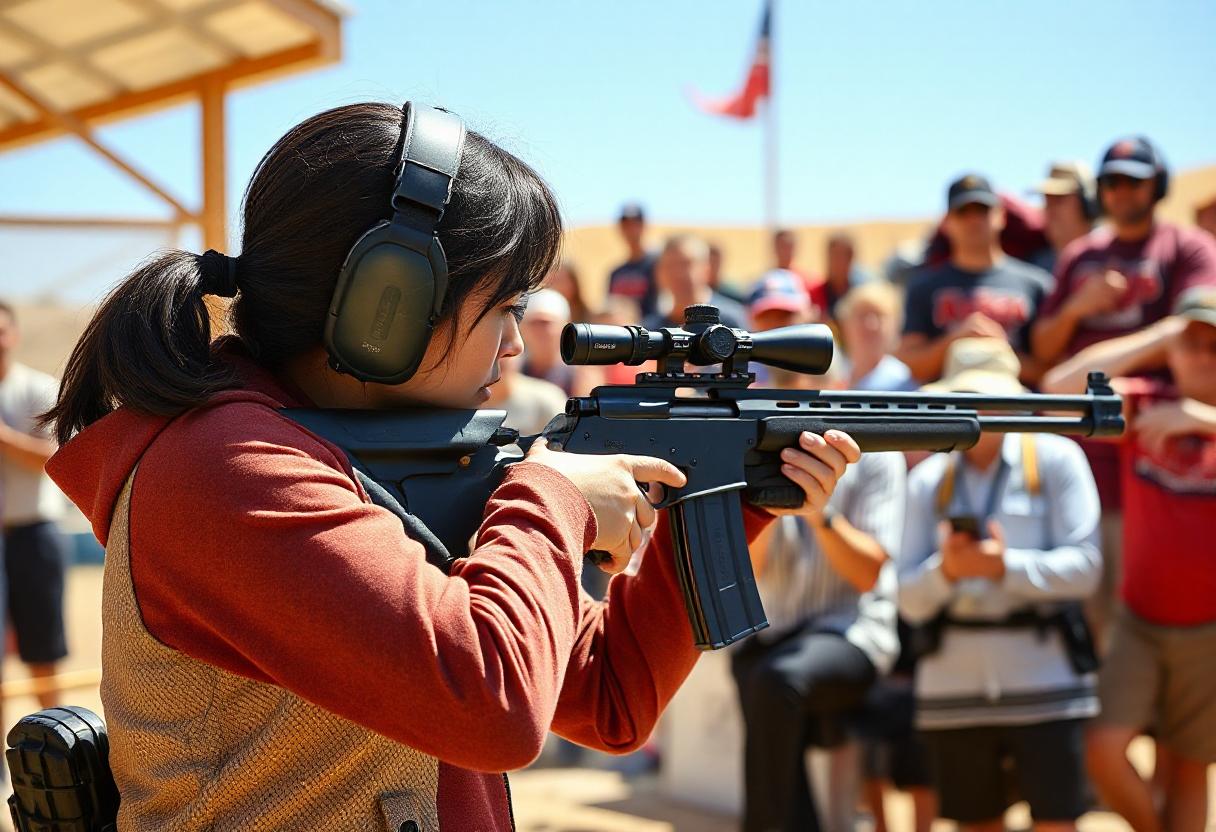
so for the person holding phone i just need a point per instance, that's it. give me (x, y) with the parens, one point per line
(999, 543)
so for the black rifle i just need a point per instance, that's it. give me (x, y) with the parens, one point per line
(724, 435)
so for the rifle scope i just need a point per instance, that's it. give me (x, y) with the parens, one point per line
(702, 340)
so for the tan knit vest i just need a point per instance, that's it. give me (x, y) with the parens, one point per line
(194, 747)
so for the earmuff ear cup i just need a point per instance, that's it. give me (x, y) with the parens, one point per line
(392, 285)
(385, 305)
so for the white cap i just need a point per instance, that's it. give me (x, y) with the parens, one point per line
(548, 304)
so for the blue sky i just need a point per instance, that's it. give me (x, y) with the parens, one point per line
(879, 104)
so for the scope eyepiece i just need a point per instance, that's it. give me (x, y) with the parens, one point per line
(703, 340)
(604, 344)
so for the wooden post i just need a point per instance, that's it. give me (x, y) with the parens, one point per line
(214, 214)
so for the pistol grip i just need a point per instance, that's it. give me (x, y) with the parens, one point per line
(709, 544)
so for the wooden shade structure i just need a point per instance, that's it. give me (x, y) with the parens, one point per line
(68, 65)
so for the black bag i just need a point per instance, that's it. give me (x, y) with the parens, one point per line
(58, 759)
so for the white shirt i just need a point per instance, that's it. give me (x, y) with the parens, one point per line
(28, 497)
(1003, 676)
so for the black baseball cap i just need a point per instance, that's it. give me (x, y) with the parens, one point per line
(632, 211)
(1135, 157)
(968, 189)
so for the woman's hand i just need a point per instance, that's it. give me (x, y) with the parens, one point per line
(816, 465)
(609, 482)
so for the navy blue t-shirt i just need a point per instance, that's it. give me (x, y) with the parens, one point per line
(1010, 293)
(634, 279)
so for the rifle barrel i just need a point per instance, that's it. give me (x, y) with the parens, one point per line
(1082, 425)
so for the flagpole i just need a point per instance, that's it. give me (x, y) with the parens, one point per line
(770, 129)
(770, 165)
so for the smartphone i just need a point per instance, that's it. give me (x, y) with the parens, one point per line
(967, 524)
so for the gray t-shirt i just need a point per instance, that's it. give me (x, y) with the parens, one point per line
(28, 497)
(1010, 293)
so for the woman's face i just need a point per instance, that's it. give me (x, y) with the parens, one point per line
(457, 371)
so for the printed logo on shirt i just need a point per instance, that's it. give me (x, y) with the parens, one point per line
(1009, 309)
(1144, 285)
(1186, 466)
(630, 284)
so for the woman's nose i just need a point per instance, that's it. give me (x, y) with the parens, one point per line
(512, 342)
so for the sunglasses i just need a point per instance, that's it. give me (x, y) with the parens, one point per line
(1118, 180)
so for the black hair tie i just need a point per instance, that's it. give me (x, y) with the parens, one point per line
(218, 274)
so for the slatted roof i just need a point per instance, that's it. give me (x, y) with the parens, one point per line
(96, 60)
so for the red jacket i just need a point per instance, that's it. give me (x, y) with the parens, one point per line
(254, 549)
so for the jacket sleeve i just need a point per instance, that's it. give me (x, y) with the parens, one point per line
(632, 651)
(923, 588)
(260, 556)
(1072, 566)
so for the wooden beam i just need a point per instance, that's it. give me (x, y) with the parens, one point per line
(91, 223)
(214, 216)
(73, 125)
(128, 105)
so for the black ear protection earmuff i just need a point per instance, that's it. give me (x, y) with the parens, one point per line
(393, 281)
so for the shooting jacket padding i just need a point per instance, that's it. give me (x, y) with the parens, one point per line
(191, 744)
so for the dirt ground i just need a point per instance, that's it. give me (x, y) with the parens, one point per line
(546, 799)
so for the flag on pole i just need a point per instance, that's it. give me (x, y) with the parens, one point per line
(742, 105)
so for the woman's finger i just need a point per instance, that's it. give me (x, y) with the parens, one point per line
(635, 539)
(821, 471)
(644, 512)
(818, 447)
(844, 443)
(815, 493)
(653, 469)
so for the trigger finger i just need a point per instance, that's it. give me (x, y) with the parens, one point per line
(644, 513)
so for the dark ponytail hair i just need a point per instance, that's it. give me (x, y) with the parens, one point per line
(314, 193)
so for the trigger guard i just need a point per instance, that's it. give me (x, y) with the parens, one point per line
(668, 499)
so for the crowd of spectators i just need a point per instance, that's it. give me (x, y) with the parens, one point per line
(996, 624)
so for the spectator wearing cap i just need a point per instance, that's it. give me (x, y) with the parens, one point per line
(870, 317)
(999, 543)
(778, 299)
(827, 584)
(978, 292)
(1160, 672)
(635, 278)
(1205, 215)
(682, 273)
(1113, 282)
(1119, 279)
(1070, 207)
(541, 330)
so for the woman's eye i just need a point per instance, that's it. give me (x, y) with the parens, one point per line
(518, 310)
